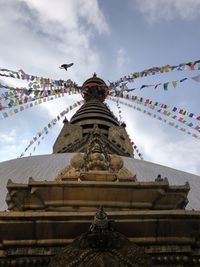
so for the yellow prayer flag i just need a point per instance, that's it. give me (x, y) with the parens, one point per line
(174, 83)
(11, 112)
(37, 80)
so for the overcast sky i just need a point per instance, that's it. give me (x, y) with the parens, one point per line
(112, 38)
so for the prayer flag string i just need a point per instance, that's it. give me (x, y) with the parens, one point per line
(123, 86)
(174, 109)
(22, 95)
(19, 105)
(6, 114)
(161, 108)
(133, 144)
(46, 129)
(158, 117)
(181, 111)
(33, 79)
(193, 65)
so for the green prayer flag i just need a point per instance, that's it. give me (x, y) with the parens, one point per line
(174, 83)
(36, 92)
(165, 85)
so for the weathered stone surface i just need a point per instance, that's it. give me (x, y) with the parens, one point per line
(119, 136)
(69, 135)
(101, 246)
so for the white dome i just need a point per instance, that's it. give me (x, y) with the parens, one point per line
(46, 167)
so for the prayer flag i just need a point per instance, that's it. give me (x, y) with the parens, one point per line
(174, 83)
(157, 85)
(165, 85)
(182, 80)
(11, 112)
(196, 78)
(191, 65)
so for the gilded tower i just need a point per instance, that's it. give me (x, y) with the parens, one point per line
(75, 134)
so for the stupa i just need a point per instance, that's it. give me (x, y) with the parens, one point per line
(142, 212)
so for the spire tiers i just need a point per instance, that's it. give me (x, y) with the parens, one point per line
(94, 114)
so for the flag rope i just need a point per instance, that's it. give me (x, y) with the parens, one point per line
(155, 116)
(50, 125)
(193, 65)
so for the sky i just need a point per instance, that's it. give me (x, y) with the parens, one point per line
(112, 38)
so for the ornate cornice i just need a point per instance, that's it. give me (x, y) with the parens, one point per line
(101, 245)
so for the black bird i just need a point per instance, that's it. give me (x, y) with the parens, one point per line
(66, 66)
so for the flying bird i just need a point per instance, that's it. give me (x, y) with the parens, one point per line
(66, 66)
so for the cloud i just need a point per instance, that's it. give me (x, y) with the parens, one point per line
(89, 10)
(171, 153)
(69, 13)
(55, 107)
(157, 143)
(9, 137)
(122, 58)
(156, 10)
(40, 35)
(11, 144)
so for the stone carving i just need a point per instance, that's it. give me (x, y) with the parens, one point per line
(96, 157)
(68, 173)
(101, 246)
(77, 162)
(116, 163)
(96, 163)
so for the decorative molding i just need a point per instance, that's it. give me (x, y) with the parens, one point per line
(96, 164)
(101, 245)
